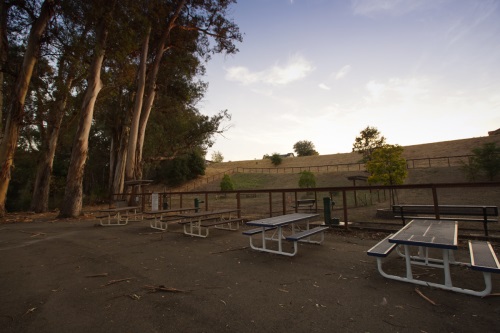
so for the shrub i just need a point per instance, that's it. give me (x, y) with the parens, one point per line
(226, 183)
(307, 179)
(276, 159)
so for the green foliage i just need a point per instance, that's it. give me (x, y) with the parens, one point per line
(368, 141)
(226, 183)
(486, 160)
(21, 184)
(276, 159)
(304, 148)
(181, 169)
(307, 179)
(217, 157)
(387, 166)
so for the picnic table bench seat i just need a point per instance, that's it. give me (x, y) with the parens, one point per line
(304, 204)
(466, 212)
(215, 222)
(382, 248)
(306, 234)
(483, 257)
(256, 231)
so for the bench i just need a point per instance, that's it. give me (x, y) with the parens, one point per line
(256, 231)
(484, 259)
(382, 248)
(485, 212)
(299, 236)
(305, 204)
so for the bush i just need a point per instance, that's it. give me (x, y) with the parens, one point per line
(226, 183)
(276, 159)
(307, 179)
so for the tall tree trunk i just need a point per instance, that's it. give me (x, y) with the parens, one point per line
(73, 194)
(150, 95)
(4, 7)
(16, 110)
(40, 198)
(136, 113)
(121, 156)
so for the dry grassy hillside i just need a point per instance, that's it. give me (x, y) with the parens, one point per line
(436, 149)
(428, 175)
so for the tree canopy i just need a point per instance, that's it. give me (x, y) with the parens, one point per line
(109, 82)
(368, 140)
(486, 159)
(387, 165)
(304, 148)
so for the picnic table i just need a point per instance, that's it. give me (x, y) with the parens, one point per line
(272, 230)
(198, 224)
(442, 235)
(161, 218)
(116, 216)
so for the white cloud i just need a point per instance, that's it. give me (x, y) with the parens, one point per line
(323, 86)
(397, 90)
(296, 69)
(343, 72)
(372, 8)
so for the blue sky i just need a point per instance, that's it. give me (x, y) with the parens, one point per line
(420, 71)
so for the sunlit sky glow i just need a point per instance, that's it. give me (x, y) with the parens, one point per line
(420, 71)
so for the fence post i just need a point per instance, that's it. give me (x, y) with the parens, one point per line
(238, 204)
(435, 200)
(344, 199)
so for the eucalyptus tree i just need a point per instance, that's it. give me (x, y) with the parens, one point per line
(68, 51)
(101, 15)
(16, 112)
(174, 25)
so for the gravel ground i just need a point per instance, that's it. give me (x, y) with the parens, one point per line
(73, 276)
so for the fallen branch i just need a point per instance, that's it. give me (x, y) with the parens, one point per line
(97, 275)
(229, 250)
(33, 234)
(154, 289)
(116, 281)
(425, 297)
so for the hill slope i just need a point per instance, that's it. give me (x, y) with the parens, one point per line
(214, 172)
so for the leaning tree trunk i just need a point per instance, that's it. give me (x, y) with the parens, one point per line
(121, 157)
(136, 114)
(73, 194)
(16, 110)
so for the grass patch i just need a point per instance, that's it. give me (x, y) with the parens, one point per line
(251, 181)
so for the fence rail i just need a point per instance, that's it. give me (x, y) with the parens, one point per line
(353, 203)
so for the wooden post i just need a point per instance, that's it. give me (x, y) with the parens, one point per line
(344, 199)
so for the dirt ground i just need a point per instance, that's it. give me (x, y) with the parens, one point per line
(73, 276)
